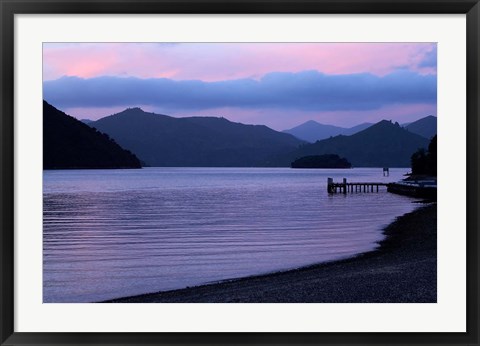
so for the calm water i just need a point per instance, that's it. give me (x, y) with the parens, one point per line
(114, 233)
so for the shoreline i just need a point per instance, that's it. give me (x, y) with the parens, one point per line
(403, 269)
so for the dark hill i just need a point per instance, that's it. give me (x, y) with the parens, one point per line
(425, 127)
(381, 145)
(161, 140)
(69, 143)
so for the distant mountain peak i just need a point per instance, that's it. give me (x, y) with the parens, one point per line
(311, 122)
(132, 114)
(313, 131)
(385, 122)
(381, 126)
(132, 110)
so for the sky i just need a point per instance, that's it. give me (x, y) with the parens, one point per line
(280, 85)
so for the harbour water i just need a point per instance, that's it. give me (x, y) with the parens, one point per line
(116, 233)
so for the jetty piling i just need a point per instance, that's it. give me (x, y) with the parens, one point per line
(345, 187)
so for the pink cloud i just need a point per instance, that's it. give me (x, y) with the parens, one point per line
(227, 61)
(220, 61)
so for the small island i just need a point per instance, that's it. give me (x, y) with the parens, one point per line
(321, 161)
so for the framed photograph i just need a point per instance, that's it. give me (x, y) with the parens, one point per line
(239, 173)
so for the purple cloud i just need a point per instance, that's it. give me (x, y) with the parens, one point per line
(306, 91)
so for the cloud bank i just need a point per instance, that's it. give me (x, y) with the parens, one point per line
(303, 91)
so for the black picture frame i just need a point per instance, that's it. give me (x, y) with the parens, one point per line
(7, 174)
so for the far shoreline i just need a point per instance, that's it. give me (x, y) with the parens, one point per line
(402, 269)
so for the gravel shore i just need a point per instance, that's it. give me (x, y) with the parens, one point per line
(402, 270)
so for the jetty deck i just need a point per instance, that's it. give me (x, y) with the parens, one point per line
(345, 187)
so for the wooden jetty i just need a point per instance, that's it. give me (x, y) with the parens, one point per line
(345, 187)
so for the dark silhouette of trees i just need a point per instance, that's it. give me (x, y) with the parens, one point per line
(432, 156)
(419, 162)
(423, 162)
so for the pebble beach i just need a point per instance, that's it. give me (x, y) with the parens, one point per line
(403, 269)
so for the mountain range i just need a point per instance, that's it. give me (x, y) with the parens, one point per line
(312, 131)
(69, 143)
(383, 144)
(162, 140)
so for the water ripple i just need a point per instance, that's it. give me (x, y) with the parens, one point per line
(111, 234)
